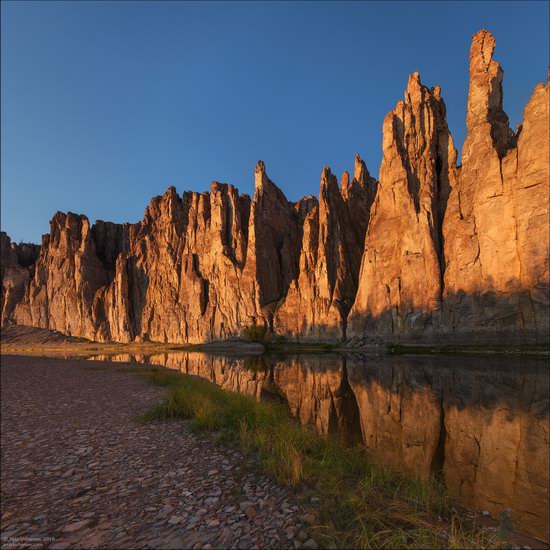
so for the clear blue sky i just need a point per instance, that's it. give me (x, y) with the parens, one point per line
(106, 104)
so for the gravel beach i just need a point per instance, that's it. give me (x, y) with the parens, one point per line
(78, 470)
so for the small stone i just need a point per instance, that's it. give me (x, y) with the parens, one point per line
(174, 520)
(290, 532)
(310, 544)
(73, 527)
(308, 518)
(213, 523)
(250, 512)
(486, 514)
(245, 504)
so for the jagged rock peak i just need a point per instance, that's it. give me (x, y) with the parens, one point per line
(416, 92)
(326, 174)
(413, 84)
(344, 182)
(260, 167)
(485, 94)
(360, 172)
(261, 181)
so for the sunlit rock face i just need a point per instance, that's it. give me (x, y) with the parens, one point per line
(67, 276)
(430, 252)
(496, 226)
(400, 283)
(15, 271)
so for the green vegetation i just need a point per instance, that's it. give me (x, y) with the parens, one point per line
(299, 347)
(524, 350)
(361, 504)
(255, 333)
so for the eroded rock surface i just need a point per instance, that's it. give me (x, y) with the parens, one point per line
(496, 227)
(401, 274)
(16, 265)
(433, 251)
(319, 299)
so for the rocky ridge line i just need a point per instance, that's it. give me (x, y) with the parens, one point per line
(431, 250)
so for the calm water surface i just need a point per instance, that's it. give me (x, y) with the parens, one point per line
(481, 424)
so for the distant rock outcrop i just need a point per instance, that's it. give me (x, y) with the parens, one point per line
(433, 251)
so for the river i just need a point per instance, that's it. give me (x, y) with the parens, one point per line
(479, 423)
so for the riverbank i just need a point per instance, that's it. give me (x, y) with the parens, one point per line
(79, 470)
(356, 502)
(23, 340)
(360, 504)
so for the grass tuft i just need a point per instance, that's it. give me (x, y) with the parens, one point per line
(361, 503)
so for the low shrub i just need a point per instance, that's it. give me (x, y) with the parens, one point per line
(255, 333)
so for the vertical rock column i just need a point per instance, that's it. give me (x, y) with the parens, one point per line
(400, 283)
(274, 236)
(496, 226)
(319, 299)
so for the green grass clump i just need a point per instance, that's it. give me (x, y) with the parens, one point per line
(255, 333)
(362, 504)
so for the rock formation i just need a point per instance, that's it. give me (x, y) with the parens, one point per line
(15, 271)
(496, 227)
(401, 274)
(319, 299)
(433, 251)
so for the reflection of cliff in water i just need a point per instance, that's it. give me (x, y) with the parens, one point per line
(482, 424)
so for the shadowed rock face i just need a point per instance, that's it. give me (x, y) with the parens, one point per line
(15, 271)
(430, 252)
(480, 424)
(319, 298)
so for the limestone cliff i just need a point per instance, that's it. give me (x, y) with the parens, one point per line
(430, 251)
(459, 253)
(496, 227)
(401, 274)
(319, 299)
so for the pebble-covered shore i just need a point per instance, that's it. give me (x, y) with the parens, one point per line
(78, 470)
